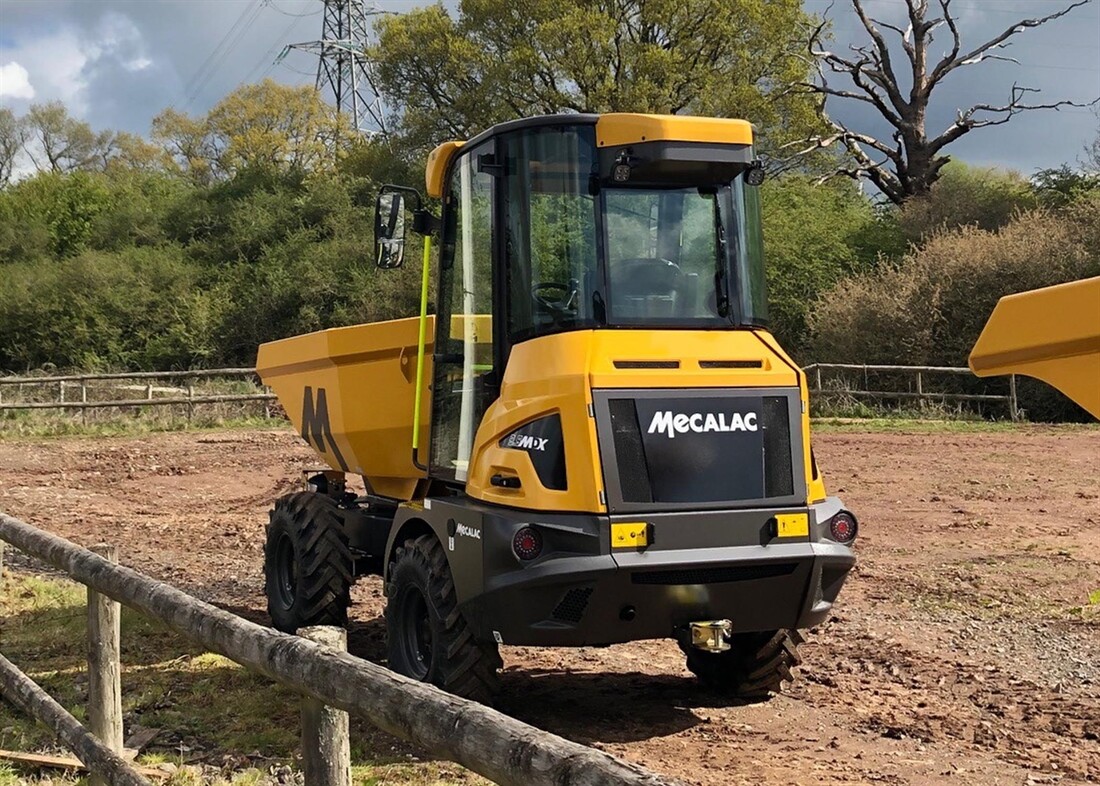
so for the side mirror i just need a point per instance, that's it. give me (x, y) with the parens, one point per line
(389, 230)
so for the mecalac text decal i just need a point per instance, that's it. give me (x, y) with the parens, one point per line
(672, 423)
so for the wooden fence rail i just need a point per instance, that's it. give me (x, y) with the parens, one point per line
(81, 402)
(491, 744)
(920, 393)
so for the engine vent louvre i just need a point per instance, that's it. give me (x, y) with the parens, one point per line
(647, 364)
(572, 605)
(731, 364)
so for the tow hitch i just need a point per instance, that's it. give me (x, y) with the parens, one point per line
(712, 635)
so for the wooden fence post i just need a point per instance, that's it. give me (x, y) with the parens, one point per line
(104, 664)
(326, 744)
(1013, 410)
(84, 400)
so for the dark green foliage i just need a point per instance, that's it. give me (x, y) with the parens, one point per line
(137, 270)
(930, 307)
(813, 237)
(963, 195)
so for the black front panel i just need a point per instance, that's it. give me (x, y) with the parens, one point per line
(703, 450)
(664, 449)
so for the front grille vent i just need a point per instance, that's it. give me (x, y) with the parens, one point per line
(572, 605)
(629, 451)
(721, 575)
(778, 481)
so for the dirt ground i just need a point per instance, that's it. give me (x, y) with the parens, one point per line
(963, 650)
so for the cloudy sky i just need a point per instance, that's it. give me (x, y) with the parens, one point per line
(117, 63)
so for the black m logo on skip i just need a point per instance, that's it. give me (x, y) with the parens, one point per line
(316, 428)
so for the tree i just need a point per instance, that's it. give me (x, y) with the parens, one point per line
(814, 236)
(13, 134)
(498, 60)
(277, 126)
(268, 125)
(184, 141)
(1060, 186)
(63, 143)
(1092, 151)
(983, 197)
(910, 162)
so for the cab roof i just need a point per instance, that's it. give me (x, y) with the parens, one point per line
(612, 130)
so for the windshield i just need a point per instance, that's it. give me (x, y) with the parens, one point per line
(586, 253)
(665, 255)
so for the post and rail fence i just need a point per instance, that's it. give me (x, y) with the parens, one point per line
(330, 680)
(818, 374)
(918, 391)
(49, 391)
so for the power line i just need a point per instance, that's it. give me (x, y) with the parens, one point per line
(269, 56)
(271, 4)
(200, 72)
(228, 45)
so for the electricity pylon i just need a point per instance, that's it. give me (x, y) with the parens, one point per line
(343, 66)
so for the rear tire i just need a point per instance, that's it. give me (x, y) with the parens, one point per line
(756, 665)
(308, 567)
(427, 636)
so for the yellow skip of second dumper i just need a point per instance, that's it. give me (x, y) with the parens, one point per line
(1052, 334)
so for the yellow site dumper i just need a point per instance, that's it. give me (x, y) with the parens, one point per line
(590, 437)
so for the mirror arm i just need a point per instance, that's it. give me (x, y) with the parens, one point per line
(424, 223)
(417, 200)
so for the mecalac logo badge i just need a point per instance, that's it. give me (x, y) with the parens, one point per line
(672, 423)
(525, 442)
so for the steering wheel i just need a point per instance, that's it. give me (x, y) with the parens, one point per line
(566, 301)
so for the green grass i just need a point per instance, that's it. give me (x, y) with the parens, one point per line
(33, 425)
(909, 425)
(206, 707)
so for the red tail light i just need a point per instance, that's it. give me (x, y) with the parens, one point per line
(843, 527)
(527, 543)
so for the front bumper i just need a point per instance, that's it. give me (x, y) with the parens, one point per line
(712, 565)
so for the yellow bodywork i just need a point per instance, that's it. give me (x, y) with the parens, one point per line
(1052, 334)
(625, 128)
(621, 128)
(368, 373)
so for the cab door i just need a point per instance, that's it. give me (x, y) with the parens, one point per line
(465, 380)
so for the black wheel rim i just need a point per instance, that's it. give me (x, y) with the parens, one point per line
(286, 572)
(416, 632)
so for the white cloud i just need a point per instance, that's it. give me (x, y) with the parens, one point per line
(15, 82)
(65, 59)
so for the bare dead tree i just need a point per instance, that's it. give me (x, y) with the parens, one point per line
(909, 162)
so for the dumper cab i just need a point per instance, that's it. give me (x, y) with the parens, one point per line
(590, 436)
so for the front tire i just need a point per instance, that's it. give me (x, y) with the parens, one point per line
(427, 636)
(308, 567)
(755, 666)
